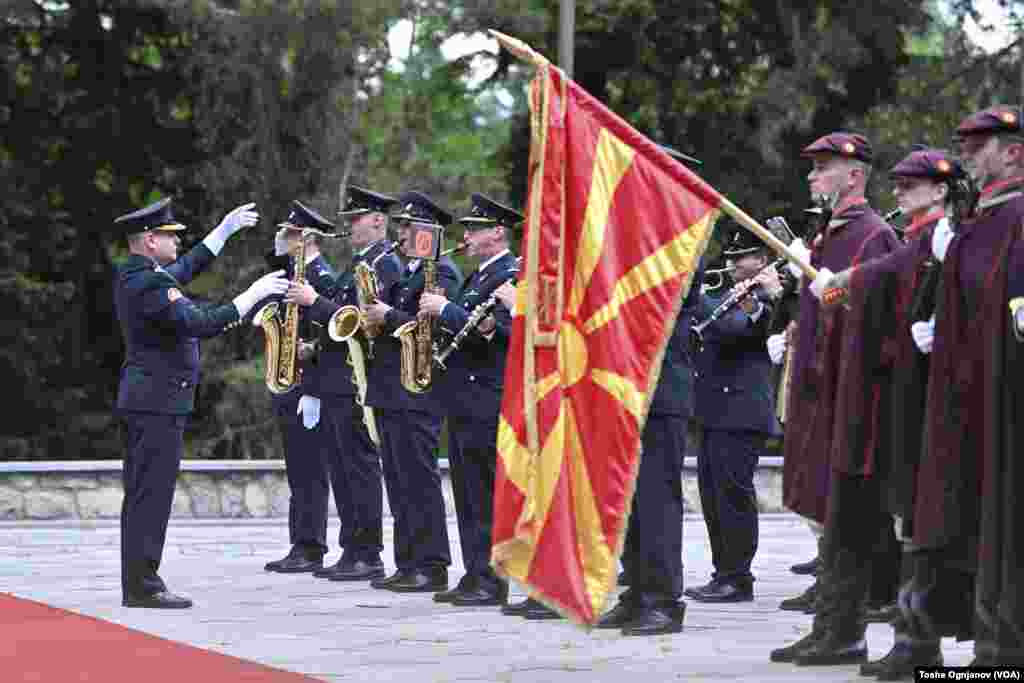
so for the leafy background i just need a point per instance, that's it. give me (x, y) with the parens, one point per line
(108, 105)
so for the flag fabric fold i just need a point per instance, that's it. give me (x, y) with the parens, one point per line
(614, 232)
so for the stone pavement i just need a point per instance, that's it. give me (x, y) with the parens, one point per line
(351, 632)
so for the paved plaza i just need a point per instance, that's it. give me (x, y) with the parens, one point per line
(351, 632)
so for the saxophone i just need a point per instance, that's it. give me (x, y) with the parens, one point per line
(417, 336)
(344, 325)
(282, 339)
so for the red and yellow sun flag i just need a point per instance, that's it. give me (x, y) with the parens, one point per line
(614, 231)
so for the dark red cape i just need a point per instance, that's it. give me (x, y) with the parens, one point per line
(811, 405)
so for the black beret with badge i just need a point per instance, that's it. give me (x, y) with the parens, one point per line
(359, 200)
(484, 212)
(416, 206)
(301, 216)
(156, 216)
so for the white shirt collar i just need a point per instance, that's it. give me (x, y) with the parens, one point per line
(492, 260)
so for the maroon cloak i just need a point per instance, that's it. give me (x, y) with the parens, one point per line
(882, 375)
(856, 235)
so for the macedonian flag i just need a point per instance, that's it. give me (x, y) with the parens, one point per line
(614, 231)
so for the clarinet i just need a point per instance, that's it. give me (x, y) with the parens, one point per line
(475, 316)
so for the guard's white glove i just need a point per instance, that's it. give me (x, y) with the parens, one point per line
(799, 249)
(821, 282)
(280, 242)
(240, 217)
(941, 237)
(309, 409)
(776, 347)
(268, 285)
(924, 334)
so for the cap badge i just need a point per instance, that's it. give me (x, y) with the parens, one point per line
(1008, 118)
(942, 166)
(848, 148)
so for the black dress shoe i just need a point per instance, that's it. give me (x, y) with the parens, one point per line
(803, 602)
(806, 568)
(618, 616)
(476, 597)
(162, 600)
(385, 581)
(326, 572)
(518, 609)
(789, 653)
(298, 565)
(421, 581)
(275, 564)
(656, 621)
(833, 651)
(464, 584)
(724, 592)
(901, 661)
(539, 611)
(694, 590)
(360, 570)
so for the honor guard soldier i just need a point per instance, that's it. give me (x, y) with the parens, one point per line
(966, 512)
(309, 452)
(356, 479)
(736, 411)
(832, 486)
(410, 423)
(161, 327)
(470, 387)
(883, 385)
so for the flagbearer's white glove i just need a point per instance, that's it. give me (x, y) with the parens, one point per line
(239, 217)
(800, 249)
(776, 347)
(821, 282)
(268, 285)
(924, 334)
(309, 408)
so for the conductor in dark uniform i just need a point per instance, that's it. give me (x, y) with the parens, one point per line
(652, 556)
(309, 455)
(470, 389)
(356, 471)
(161, 327)
(736, 412)
(410, 424)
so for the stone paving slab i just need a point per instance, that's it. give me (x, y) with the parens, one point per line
(351, 632)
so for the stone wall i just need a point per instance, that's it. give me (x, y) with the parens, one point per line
(223, 489)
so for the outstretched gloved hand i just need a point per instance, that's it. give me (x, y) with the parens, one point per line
(240, 217)
(268, 285)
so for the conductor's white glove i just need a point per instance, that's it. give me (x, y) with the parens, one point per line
(821, 283)
(280, 242)
(776, 347)
(941, 238)
(238, 218)
(309, 408)
(801, 251)
(268, 285)
(923, 333)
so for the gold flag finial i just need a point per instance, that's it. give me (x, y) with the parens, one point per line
(520, 49)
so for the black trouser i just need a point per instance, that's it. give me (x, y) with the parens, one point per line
(860, 547)
(725, 477)
(409, 441)
(355, 472)
(472, 456)
(305, 465)
(653, 553)
(153, 448)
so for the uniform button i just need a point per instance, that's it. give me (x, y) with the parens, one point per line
(472, 378)
(725, 389)
(184, 384)
(696, 374)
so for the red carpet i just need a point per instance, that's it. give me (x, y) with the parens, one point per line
(43, 643)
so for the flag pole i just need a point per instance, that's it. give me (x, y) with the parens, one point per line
(527, 54)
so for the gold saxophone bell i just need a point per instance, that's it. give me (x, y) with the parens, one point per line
(345, 322)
